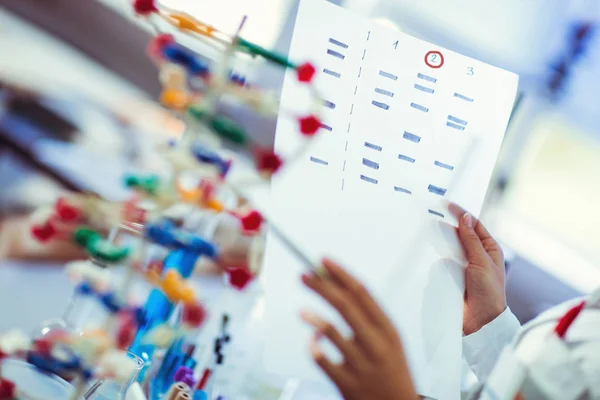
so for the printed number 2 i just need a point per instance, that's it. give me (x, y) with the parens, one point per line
(470, 71)
(396, 44)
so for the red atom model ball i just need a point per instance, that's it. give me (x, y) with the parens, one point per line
(126, 333)
(193, 314)
(144, 7)
(43, 346)
(65, 211)
(309, 125)
(269, 162)
(252, 221)
(43, 233)
(305, 72)
(239, 277)
(7, 389)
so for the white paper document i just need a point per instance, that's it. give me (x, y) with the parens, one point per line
(407, 126)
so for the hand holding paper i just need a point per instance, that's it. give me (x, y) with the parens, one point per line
(485, 295)
(374, 365)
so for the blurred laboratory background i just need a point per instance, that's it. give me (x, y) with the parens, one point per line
(77, 101)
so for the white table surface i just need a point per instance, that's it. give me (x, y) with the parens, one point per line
(31, 293)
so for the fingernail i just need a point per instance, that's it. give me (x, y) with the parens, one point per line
(328, 263)
(327, 270)
(468, 220)
(309, 317)
(306, 315)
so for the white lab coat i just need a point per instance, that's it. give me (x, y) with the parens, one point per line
(482, 349)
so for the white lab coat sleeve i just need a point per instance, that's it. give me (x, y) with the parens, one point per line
(482, 348)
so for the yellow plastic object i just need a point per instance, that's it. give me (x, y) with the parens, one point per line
(189, 196)
(214, 205)
(174, 99)
(188, 23)
(175, 288)
(195, 196)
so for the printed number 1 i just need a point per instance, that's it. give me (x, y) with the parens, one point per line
(470, 71)
(396, 44)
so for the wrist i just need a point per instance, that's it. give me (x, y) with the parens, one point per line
(481, 320)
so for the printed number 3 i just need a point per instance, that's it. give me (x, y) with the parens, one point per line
(470, 71)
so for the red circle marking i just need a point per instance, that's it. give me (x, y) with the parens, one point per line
(434, 52)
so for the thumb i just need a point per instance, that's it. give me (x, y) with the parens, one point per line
(471, 243)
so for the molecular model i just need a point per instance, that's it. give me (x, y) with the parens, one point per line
(157, 237)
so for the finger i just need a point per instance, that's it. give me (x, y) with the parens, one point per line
(351, 353)
(365, 331)
(494, 250)
(360, 293)
(487, 240)
(489, 243)
(479, 228)
(336, 373)
(456, 210)
(471, 243)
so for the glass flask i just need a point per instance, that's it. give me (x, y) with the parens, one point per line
(79, 310)
(113, 390)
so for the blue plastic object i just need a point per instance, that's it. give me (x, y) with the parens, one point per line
(182, 56)
(200, 395)
(55, 366)
(209, 157)
(84, 288)
(166, 374)
(158, 308)
(165, 233)
(239, 79)
(110, 301)
(140, 316)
